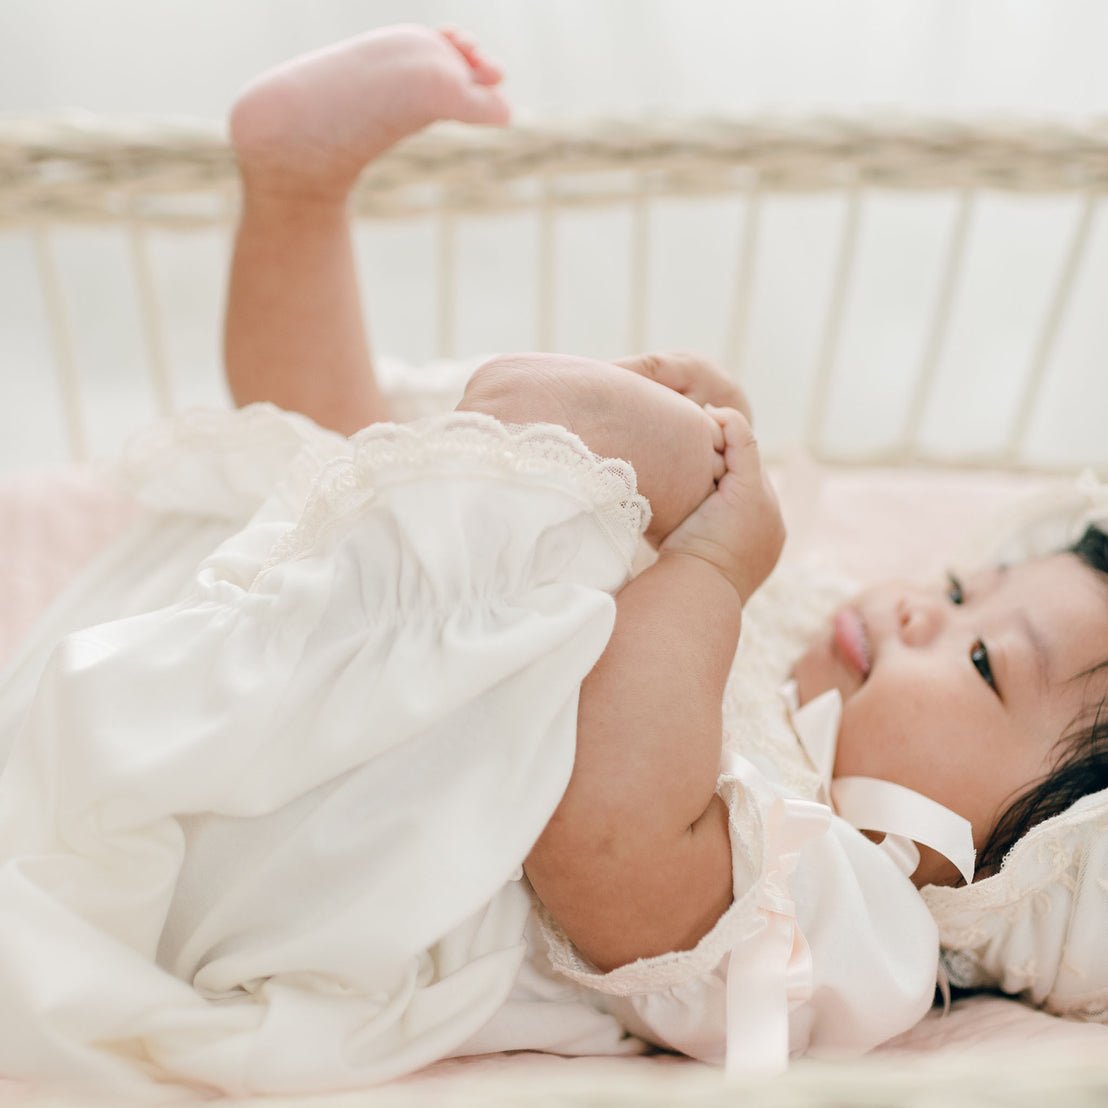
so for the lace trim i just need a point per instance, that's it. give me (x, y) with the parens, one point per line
(1051, 853)
(1094, 1010)
(782, 618)
(996, 932)
(675, 968)
(536, 451)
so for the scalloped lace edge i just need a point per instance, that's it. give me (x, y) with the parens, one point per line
(537, 450)
(973, 917)
(1058, 842)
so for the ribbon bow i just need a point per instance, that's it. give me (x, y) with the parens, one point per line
(776, 960)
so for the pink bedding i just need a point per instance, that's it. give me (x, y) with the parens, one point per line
(866, 523)
(51, 524)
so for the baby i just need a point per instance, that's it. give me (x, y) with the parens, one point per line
(978, 679)
(265, 834)
(641, 817)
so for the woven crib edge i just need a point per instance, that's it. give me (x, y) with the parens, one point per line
(84, 168)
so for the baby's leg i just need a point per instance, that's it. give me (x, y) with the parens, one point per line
(674, 445)
(302, 133)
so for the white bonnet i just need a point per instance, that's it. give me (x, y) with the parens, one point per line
(1039, 925)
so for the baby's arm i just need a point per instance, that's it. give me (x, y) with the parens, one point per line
(636, 860)
(302, 133)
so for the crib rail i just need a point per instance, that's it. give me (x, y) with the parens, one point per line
(87, 169)
(147, 175)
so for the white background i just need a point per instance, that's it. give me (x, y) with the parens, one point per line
(189, 56)
(603, 57)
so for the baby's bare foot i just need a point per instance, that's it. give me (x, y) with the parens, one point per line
(738, 528)
(312, 124)
(696, 377)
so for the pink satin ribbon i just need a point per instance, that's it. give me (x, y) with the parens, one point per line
(776, 961)
(903, 816)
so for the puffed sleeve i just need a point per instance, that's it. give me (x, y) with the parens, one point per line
(827, 947)
(266, 838)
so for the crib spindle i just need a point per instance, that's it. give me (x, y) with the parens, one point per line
(61, 336)
(150, 311)
(1044, 346)
(832, 327)
(734, 348)
(640, 264)
(446, 342)
(940, 324)
(547, 265)
(90, 172)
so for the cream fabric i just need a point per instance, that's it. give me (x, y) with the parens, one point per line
(268, 837)
(260, 833)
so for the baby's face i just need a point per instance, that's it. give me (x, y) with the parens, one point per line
(961, 691)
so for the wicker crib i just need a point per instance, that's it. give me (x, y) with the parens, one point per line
(148, 183)
(153, 179)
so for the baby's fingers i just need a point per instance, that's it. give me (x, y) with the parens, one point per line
(740, 447)
(485, 70)
(747, 482)
(719, 442)
(475, 97)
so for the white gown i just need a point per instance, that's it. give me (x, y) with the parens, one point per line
(264, 832)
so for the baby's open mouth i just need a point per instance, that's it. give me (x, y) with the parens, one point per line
(848, 633)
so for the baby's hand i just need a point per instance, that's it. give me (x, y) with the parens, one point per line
(738, 527)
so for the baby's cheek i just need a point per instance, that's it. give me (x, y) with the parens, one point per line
(816, 673)
(907, 735)
(874, 741)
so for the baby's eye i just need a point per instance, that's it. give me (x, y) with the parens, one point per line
(954, 592)
(979, 655)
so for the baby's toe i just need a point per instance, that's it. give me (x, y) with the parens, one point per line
(485, 70)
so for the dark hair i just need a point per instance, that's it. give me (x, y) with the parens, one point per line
(1082, 765)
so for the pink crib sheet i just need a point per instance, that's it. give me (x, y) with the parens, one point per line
(866, 523)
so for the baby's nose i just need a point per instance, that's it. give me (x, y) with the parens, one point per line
(919, 618)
